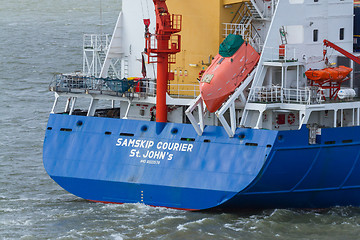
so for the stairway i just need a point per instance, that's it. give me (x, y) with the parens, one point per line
(254, 10)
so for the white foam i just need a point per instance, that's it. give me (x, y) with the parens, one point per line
(231, 227)
(181, 227)
(165, 219)
(117, 236)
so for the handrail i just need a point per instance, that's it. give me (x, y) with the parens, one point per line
(182, 90)
(275, 94)
(96, 41)
(289, 54)
(246, 30)
(142, 86)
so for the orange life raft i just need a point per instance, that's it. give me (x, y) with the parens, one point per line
(333, 74)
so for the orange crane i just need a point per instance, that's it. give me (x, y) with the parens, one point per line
(340, 50)
(161, 48)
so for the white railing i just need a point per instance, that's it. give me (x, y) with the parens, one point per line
(265, 9)
(265, 94)
(293, 95)
(237, 29)
(184, 90)
(275, 94)
(246, 31)
(97, 42)
(277, 54)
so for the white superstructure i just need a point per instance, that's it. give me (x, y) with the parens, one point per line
(276, 95)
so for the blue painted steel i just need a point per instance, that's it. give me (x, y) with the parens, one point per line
(255, 169)
(299, 175)
(81, 154)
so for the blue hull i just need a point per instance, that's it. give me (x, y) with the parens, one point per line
(128, 161)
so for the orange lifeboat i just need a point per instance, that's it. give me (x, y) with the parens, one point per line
(227, 72)
(333, 74)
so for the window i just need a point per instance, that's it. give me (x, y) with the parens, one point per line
(341, 36)
(315, 35)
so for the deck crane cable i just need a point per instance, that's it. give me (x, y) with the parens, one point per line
(145, 14)
(146, 18)
(327, 56)
(142, 9)
(147, 8)
(143, 67)
(146, 21)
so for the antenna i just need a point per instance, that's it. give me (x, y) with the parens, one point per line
(101, 19)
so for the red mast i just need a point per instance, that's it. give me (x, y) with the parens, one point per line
(161, 48)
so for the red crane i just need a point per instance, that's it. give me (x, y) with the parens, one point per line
(342, 51)
(161, 48)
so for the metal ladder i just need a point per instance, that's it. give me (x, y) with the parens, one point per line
(283, 35)
(254, 10)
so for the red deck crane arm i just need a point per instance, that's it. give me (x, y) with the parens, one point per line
(342, 51)
(163, 20)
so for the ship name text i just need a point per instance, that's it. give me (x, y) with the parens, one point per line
(182, 147)
(150, 152)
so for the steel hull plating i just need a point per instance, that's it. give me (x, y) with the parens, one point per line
(130, 161)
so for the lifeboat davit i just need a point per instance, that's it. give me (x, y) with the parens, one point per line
(236, 59)
(332, 74)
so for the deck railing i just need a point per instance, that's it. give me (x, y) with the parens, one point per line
(97, 42)
(282, 53)
(247, 31)
(184, 90)
(120, 87)
(275, 94)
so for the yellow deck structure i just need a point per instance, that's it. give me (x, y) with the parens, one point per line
(202, 32)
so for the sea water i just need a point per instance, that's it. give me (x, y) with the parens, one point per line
(39, 38)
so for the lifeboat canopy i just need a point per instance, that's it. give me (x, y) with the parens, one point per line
(235, 61)
(230, 45)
